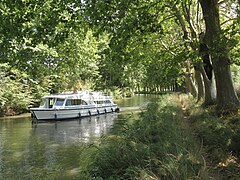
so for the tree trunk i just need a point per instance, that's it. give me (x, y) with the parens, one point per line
(199, 81)
(227, 100)
(207, 74)
(191, 88)
(190, 85)
(209, 89)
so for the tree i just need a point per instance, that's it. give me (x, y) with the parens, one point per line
(227, 100)
(189, 19)
(79, 56)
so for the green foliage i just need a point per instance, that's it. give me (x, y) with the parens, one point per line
(59, 44)
(154, 145)
(15, 94)
(219, 136)
(79, 57)
(216, 133)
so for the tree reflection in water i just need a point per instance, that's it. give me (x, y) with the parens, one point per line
(78, 130)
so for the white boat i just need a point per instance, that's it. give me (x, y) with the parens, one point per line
(73, 105)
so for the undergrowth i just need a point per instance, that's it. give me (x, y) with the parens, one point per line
(155, 146)
(220, 137)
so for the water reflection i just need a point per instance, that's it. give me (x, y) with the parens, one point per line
(52, 150)
(47, 148)
(136, 102)
(75, 131)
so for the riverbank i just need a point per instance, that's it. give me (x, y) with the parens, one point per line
(219, 137)
(24, 115)
(173, 139)
(152, 146)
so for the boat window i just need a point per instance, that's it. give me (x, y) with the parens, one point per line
(84, 102)
(51, 102)
(43, 101)
(69, 102)
(59, 102)
(74, 102)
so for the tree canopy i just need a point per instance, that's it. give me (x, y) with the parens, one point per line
(55, 45)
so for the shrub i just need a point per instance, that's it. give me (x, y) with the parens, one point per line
(15, 94)
(220, 137)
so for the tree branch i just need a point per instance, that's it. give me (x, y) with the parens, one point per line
(165, 47)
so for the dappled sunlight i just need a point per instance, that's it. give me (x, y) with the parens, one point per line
(229, 161)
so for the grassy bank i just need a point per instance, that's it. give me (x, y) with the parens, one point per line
(155, 145)
(220, 137)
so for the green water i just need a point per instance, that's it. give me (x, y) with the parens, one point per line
(51, 150)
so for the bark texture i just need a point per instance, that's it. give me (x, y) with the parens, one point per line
(200, 85)
(227, 100)
(209, 88)
(207, 74)
(190, 85)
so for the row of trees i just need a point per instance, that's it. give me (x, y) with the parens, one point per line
(56, 45)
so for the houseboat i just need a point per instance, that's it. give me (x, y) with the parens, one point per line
(73, 105)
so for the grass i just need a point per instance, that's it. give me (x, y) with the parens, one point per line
(155, 145)
(220, 137)
(174, 138)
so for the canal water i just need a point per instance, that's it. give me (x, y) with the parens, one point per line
(38, 151)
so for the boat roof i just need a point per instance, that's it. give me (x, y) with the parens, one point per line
(60, 96)
(78, 94)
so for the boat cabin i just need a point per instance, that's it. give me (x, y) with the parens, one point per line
(57, 102)
(69, 105)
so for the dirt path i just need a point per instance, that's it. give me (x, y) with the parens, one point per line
(208, 171)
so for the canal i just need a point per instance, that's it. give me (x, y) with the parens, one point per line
(38, 151)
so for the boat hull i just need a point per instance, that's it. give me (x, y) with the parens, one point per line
(70, 113)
